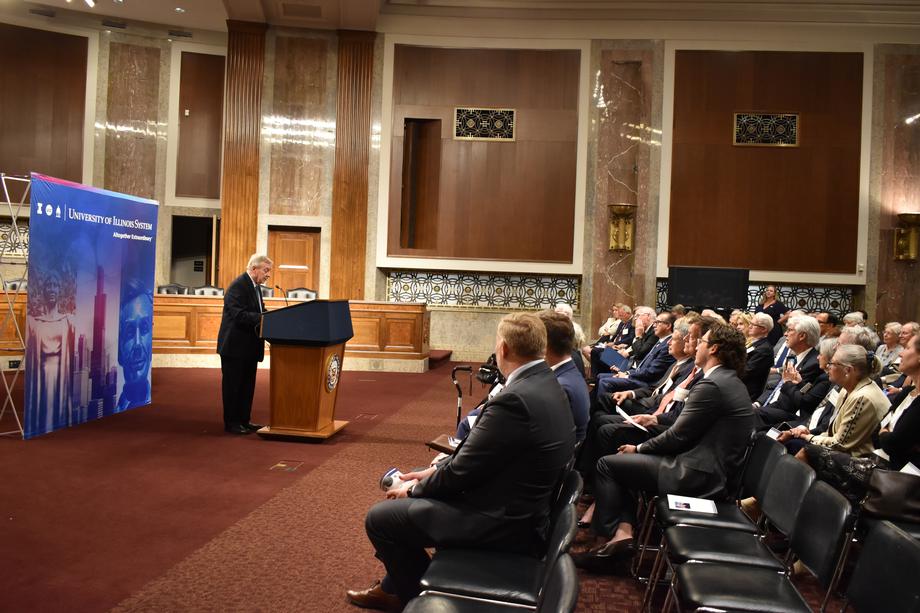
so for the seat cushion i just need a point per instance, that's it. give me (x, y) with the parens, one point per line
(734, 588)
(485, 574)
(729, 517)
(910, 528)
(445, 603)
(724, 546)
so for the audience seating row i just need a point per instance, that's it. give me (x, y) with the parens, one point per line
(477, 580)
(721, 562)
(299, 293)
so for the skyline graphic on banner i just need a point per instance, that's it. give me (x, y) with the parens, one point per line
(90, 306)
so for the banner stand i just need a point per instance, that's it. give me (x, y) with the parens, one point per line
(13, 252)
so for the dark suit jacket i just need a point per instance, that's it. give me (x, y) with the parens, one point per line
(809, 369)
(642, 345)
(508, 466)
(901, 444)
(800, 397)
(647, 399)
(239, 324)
(705, 447)
(576, 390)
(624, 334)
(757, 367)
(654, 366)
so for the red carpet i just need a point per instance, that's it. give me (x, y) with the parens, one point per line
(157, 509)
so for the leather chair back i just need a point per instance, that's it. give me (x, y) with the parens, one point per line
(819, 531)
(266, 291)
(560, 594)
(760, 465)
(302, 293)
(172, 288)
(208, 290)
(884, 579)
(569, 492)
(789, 482)
(561, 538)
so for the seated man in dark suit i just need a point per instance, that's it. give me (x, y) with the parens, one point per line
(622, 335)
(560, 338)
(700, 455)
(496, 490)
(781, 402)
(759, 355)
(645, 316)
(664, 404)
(650, 370)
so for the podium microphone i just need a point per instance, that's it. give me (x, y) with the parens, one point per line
(283, 293)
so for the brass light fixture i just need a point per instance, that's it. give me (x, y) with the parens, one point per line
(907, 237)
(622, 226)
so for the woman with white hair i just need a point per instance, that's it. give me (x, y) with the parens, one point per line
(891, 347)
(861, 406)
(853, 319)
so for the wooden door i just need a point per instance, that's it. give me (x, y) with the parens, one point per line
(295, 253)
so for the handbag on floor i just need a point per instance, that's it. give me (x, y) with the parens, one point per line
(893, 495)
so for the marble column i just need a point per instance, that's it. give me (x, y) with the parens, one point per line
(895, 184)
(624, 152)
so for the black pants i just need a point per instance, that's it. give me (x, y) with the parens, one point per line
(617, 479)
(400, 530)
(238, 384)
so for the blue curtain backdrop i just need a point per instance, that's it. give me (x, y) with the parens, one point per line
(89, 321)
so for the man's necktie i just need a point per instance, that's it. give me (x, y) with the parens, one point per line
(670, 395)
(775, 393)
(781, 357)
(667, 383)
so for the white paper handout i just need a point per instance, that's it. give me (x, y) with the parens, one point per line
(911, 469)
(686, 503)
(629, 419)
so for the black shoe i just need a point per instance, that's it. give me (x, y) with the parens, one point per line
(253, 427)
(609, 559)
(237, 429)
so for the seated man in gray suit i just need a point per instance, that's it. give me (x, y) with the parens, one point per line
(700, 455)
(495, 492)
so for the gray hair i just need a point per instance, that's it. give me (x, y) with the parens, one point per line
(645, 310)
(257, 259)
(856, 357)
(827, 347)
(859, 335)
(682, 327)
(853, 318)
(807, 326)
(565, 308)
(913, 326)
(627, 308)
(893, 327)
(763, 320)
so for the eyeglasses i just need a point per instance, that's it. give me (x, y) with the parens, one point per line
(659, 321)
(840, 364)
(707, 341)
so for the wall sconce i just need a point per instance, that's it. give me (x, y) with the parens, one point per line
(622, 226)
(907, 237)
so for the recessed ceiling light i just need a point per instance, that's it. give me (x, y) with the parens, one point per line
(179, 9)
(90, 3)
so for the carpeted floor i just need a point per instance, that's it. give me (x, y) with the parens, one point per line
(157, 509)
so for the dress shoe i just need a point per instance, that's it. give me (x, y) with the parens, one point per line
(253, 427)
(608, 559)
(237, 429)
(375, 598)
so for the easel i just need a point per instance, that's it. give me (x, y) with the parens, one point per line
(13, 251)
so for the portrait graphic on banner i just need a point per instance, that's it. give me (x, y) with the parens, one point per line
(89, 322)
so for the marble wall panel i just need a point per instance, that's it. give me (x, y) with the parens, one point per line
(131, 123)
(623, 160)
(897, 176)
(301, 133)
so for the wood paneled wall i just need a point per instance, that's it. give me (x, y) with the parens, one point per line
(349, 186)
(201, 109)
(42, 102)
(766, 208)
(496, 200)
(242, 122)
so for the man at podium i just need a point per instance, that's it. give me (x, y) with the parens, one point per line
(239, 345)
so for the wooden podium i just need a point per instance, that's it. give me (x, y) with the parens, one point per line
(308, 346)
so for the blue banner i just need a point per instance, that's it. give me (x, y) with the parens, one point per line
(89, 322)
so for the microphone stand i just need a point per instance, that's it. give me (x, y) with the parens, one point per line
(283, 294)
